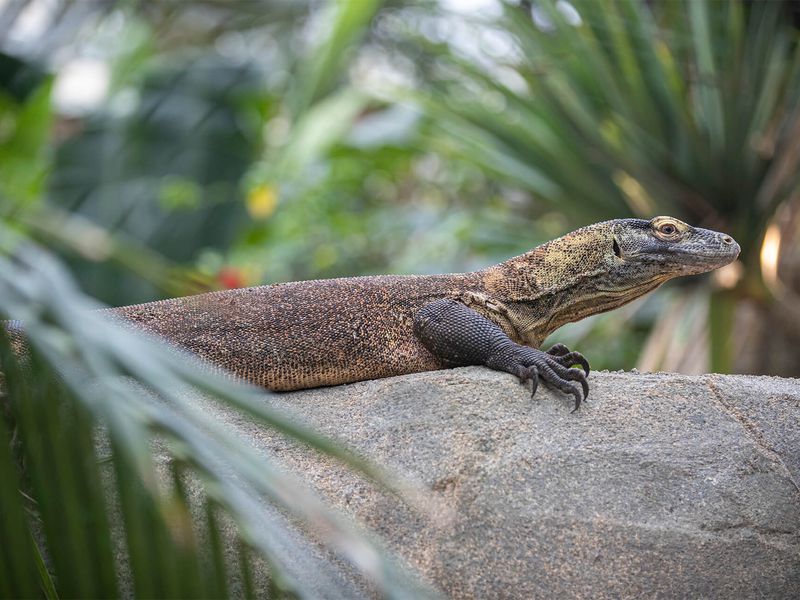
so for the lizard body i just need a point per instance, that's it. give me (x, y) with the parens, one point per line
(305, 334)
(325, 332)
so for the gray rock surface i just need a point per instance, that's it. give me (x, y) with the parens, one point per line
(661, 485)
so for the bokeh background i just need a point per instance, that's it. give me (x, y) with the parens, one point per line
(169, 147)
(157, 148)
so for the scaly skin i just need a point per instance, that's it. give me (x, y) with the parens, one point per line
(313, 333)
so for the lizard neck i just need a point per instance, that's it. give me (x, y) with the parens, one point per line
(563, 281)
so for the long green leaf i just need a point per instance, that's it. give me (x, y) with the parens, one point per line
(348, 21)
(232, 474)
(18, 575)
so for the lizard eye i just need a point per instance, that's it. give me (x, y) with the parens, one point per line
(668, 230)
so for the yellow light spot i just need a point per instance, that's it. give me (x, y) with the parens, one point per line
(728, 276)
(638, 199)
(262, 201)
(770, 250)
(611, 133)
(663, 53)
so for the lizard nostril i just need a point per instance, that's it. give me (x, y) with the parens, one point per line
(726, 239)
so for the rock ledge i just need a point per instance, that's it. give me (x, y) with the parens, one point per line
(661, 485)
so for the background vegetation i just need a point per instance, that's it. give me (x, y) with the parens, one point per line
(154, 149)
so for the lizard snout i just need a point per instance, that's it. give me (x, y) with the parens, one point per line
(729, 245)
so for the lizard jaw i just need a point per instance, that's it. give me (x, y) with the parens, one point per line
(672, 248)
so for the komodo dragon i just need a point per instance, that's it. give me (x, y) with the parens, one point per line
(306, 334)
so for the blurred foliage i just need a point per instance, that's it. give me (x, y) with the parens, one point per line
(25, 126)
(167, 173)
(107, 515)
(622, 107)
(614, 108)
(234, 143)
(148, 182)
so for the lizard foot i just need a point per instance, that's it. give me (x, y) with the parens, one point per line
(530, 364)
(459, 336)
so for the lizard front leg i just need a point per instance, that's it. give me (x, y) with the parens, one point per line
(459, 336)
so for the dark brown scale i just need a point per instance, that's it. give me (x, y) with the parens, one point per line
(306, 334)
(312, 333)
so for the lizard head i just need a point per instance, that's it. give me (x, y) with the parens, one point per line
(665, 247)
(603, 266)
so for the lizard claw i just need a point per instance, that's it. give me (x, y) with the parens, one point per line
(574, 358)
(531, 374)
(558, 350)
(534, 385)
(568, 358)
(565, 380)
(531, 364)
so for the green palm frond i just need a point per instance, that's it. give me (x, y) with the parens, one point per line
(99, 522)
(607, 108)
(675, 107)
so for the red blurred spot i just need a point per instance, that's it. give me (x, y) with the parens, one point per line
(230, 278)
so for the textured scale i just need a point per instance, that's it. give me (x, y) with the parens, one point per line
(460, 336)
(326, 332)
(305, 334)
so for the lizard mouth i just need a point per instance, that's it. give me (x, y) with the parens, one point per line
(640, 287)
